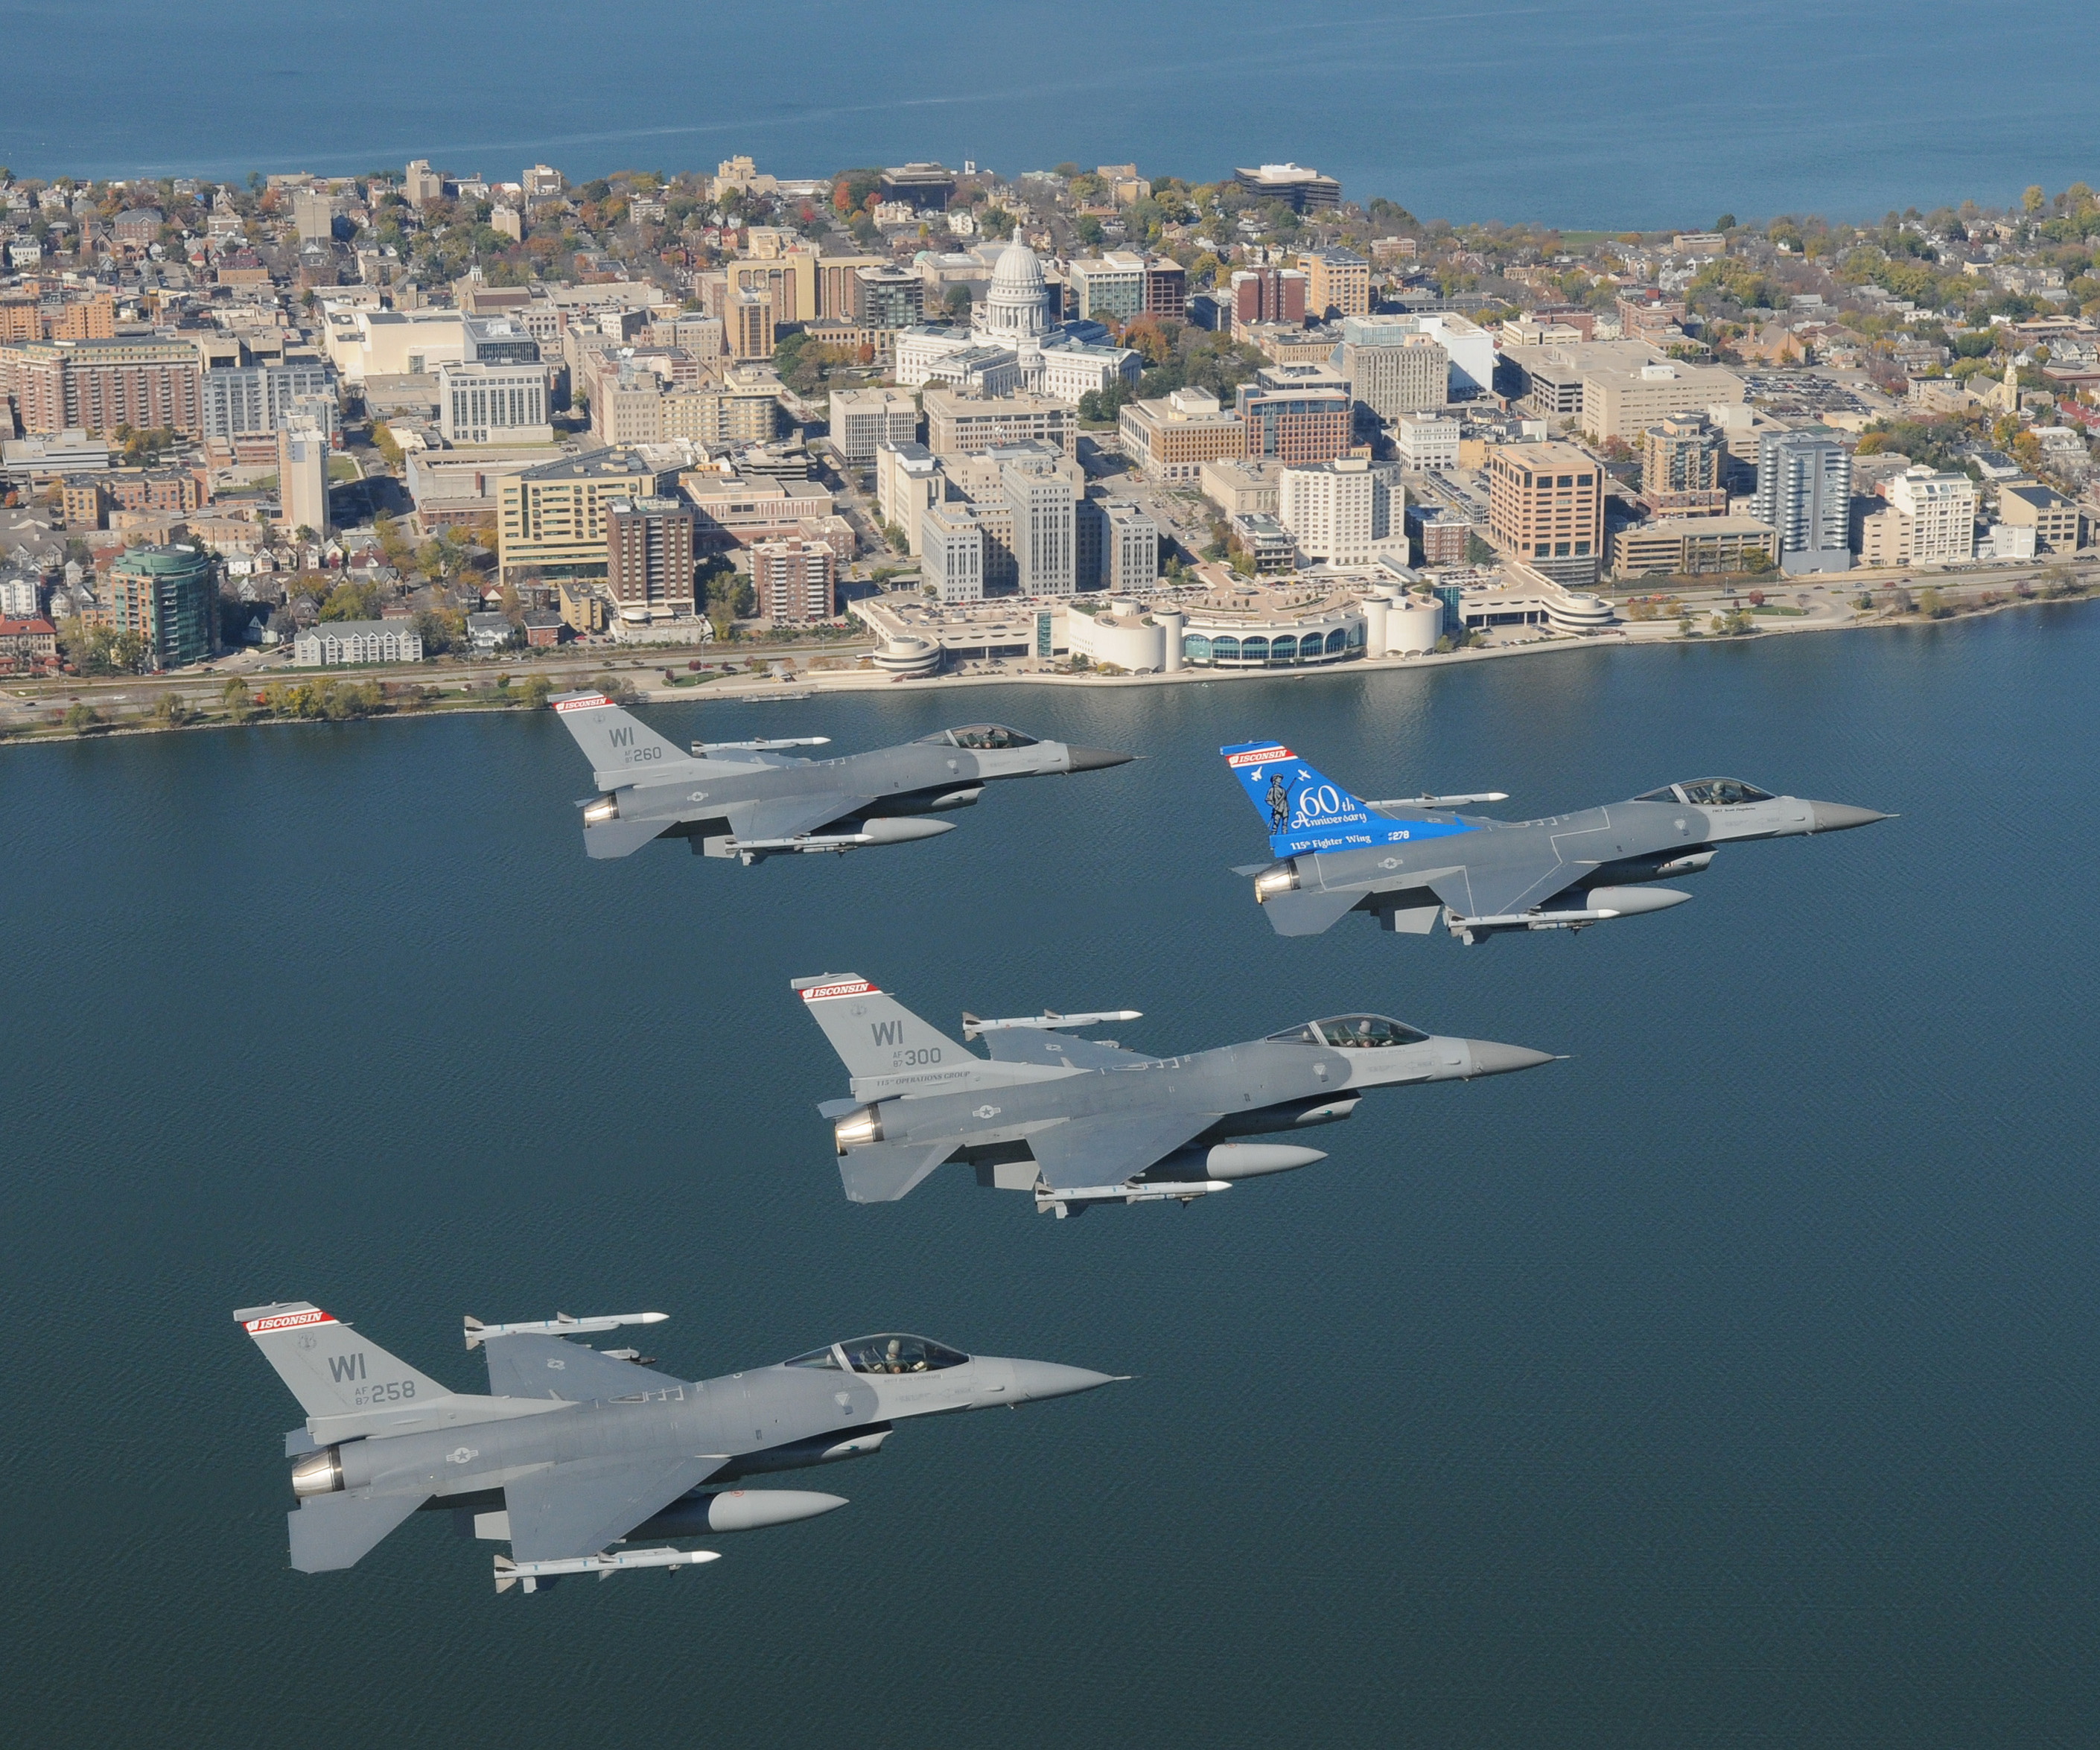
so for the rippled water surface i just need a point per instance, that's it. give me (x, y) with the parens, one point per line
(1732, 1384)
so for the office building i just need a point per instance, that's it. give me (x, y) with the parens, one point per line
(1171, 438)
(783, 270)
(888, 297)
(863, 420)
(1129, 561)
(838, 284)
(926, 187)
(1303, 190)
(1339, 512)
(1239, 487)
(1295, 413)
(1691, 547)
(1045, 535)
(743, 407)
(169, 597)
(649, 558)
(2053, 518)
(1258, 295)
(1681, 468)
(1621, 404)
(907, 478)
(794, 581)
(422, 183)
(1392, 367)
(493, 403)
(1545, 508)
(747, 325)
(1427, 442)
(302, 483)
(550, 519)
(1122, 285)
(148, 383)
(1338, 282)
(951, 552)
(1804, 493)
(958, 424)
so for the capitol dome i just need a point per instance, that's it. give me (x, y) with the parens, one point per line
(1014, 305)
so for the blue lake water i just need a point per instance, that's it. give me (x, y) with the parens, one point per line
(1732, 1384)
(1648, 113)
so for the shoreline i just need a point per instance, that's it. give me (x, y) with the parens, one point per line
(770, 689)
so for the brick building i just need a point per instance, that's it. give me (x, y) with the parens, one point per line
(794, 580)
(1545, 508)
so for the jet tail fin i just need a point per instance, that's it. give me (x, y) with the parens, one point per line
(331, 1369)
(620, 748)
(1303, 809)
(874, 1034)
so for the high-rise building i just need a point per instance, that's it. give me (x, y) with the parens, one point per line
(951, 552)
(493, 403)
(785, 272)
(1546, 508)
(838, 292)
(793, 580)
(1337, 512)
(148, 383)
(1130, 554)
(908, 480)
(303, 489)
(1805, 492)
(1941, 510)
(313, 213)
(863, 420)
(1267, 294)
(747, 321)
(1427, 442)
(1622, 404)
(1171, 438)
(1045, 529)
(1681, 464)
(1296, 413)
(1392, 368)
(1338, 282)
(240, 399)
(958, 424)
(169, 597)
(927, 188)
(649, 558)
(422, 183)
(551, 518)
(887, 298)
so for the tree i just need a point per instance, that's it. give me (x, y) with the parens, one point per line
(351, 601)
(1726, 222)
(957, 303)
(2033, 199)
(1088, 230)
(81, 716)
(1478, 552)
(238, 703)
(532, 692)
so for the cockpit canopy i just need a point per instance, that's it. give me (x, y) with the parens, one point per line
(1352, 1032)
(984, 736)
(1709, 792)
(890, 1352)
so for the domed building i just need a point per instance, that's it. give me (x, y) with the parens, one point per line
(1014, 347)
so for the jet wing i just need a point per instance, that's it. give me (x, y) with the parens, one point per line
(1038, 1044)
(329, 1531)
(786, 817)
(526, 1365)
(1497, 892)
(577, 1509)
(1108, 1147)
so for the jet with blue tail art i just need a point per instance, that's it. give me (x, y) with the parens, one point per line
(576, 1454)
(753, 800)
(1416, 861)
(1081, 1121)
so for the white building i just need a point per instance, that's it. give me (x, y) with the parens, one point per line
(493, 403)
(1045, 529)
(1340, 512)
(1011, 347)
(333, 642)
(863, 420)
(362, 343)
(907, 478)
(951, 543)
(1427, 441)
(1941, 509)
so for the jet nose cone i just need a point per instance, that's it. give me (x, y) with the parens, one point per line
(1094, 758)
(1835, 816)
(1050, 1379)
(1491, 1058)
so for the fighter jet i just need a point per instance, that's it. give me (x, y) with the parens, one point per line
(576, 1450)
(1412, 861)
(1082, 1121)
(751, 800)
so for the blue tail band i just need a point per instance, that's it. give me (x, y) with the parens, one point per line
(1306, 811)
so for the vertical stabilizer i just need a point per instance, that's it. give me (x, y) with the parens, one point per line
(331, 1369)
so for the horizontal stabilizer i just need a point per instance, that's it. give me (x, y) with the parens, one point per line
(329, 1531)
(883, 1172)
(1309, 914)
(621, 838)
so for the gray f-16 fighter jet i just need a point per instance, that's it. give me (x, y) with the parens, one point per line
(1412, 861)
(1082, 1121)
(749, 799)
(576, 1450)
